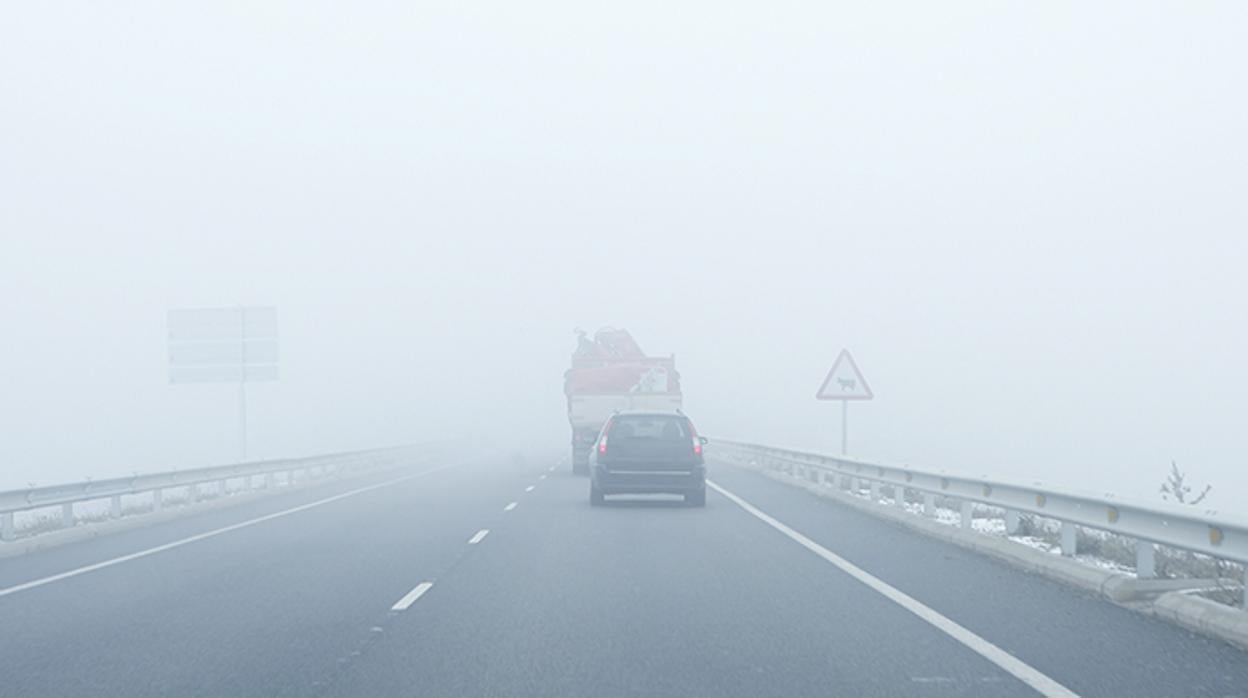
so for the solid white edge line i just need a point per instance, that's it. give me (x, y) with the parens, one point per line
(209, 534)
(511, 506)
(1011, 664)
(410, 598)
(479, 536)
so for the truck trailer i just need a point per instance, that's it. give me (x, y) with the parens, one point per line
(611, 373)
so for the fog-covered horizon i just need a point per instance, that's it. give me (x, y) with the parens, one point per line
(1027, 222)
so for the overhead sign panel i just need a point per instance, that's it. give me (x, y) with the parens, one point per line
(845, 381)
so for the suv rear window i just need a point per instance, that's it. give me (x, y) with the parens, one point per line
(660, 427)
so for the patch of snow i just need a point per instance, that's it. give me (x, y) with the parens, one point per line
(991, 527)
(1037, 543)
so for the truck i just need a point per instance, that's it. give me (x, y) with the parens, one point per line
(610, 373)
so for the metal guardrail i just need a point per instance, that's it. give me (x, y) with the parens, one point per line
(1207, 531)
(66, 496)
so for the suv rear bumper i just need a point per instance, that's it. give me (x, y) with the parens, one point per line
(650, 481)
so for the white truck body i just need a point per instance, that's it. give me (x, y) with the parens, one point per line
(592, 411)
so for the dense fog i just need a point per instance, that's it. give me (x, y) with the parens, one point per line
(1027, 222)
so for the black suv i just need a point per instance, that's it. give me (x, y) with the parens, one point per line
(648, 453)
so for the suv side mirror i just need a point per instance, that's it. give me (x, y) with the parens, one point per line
(704, 440)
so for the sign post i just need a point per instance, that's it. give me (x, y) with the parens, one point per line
(224, 345)
(844, 382)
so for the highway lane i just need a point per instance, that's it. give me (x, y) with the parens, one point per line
(492, 578)
(649, 598)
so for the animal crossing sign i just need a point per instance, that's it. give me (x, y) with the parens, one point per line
(844, 382)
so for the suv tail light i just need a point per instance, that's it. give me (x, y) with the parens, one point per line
(697, 442)
(602, 445)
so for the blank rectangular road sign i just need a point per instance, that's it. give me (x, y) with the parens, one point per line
(223, 345)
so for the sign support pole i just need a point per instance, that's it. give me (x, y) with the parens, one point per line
(242, 421)
(844, 427)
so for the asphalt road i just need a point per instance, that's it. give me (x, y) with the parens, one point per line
(388, 586)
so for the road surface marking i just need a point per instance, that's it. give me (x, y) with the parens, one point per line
(210, 534)
(511, 506)
(480, 535)
(1023, 672)
(404, 603)
(529, 488)
(552, 468)
(543, 477)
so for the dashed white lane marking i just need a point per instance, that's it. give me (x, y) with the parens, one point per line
(511, 506)
(210, 534)
(543, 477)
(404, 603)
(1020, 670)
(529, 488)
(479, 536)
(552, 468)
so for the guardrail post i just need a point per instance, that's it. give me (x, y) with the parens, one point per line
(7, 530)
(223, 489)
(67, 515)
(114, 511)
(1145, 560)
(268, 481)
(157, 499)
(899, 496)
(1069, 539)
(875, 491)
(929, 504)
(968, 513)
(1012, 522)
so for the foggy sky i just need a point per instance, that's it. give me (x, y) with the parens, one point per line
(1026, 220)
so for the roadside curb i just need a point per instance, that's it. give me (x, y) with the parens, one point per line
(1203, 616)
(1162, 598)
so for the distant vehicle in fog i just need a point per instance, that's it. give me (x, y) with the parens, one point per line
(610, 373)
(648, 453)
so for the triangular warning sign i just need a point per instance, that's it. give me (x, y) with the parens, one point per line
(845, 381)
